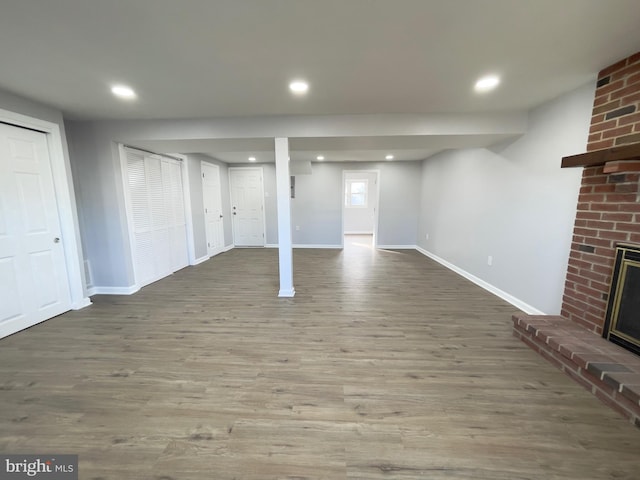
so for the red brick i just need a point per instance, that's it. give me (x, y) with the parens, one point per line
(588, 290)
(613, 68)
(619, 236)
(585, 231)
(584, 215)
(629, 207)
(621, 197)
(605, 252)
(598, 277)
(629, 227)
(609, 87)
(630, 99)
(594, 137)
(626, 187)
(600, 225)
(606, 269)
(610, 402)
(635, 238)
(633, 80)
(616, 132)
(609, 187)
(605, 108)
(626, 72)
(627, 119)
(600, 127)
(624, 92)
(599, 118)
(592, 147)
(593, 171)
(594, 180)
(578, 379)
(632, 177)
(597, 101)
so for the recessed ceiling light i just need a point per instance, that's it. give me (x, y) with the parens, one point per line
(488, 83)
(252, 159)
(389, 157)
(124, 92)
(320, 157)
(299, 87)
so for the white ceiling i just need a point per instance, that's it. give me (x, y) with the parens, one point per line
(229, 58)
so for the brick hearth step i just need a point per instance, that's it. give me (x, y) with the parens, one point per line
(608, 371)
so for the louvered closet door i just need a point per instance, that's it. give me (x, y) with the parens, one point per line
(157, 216)
(174, 207)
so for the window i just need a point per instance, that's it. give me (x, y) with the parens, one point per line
(356, 193)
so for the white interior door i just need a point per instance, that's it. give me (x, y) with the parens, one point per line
(34, 282)
(247, 206)
(212, 199)
(155, 198)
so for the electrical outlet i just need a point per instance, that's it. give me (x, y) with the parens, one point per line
(490, 260)
(426, 237)
(297, 227)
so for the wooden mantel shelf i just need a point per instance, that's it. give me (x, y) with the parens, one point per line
(600, 157)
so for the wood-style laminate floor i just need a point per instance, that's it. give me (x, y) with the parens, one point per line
(385, 365)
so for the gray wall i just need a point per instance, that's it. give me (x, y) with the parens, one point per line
(512, 202)
(197, 206)
(317, 208)
(98, 178)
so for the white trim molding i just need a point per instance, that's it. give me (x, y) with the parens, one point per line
(200, 260)
(113, 290)
(525, 307)
(298, 245)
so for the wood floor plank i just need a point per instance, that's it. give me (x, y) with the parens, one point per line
(384, 365)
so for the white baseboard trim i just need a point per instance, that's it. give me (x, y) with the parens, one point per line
(525, 307)
(227, 248)
(113, 290)
(316, 246)
(397, 247)
(271, 245)
(200, 260)
(287, 293)
(85, 302)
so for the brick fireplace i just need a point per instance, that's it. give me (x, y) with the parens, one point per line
(608, 207)
(608, 214)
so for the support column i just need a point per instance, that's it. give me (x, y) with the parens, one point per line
(285, 245)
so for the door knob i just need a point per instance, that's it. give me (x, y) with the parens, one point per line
(56, 240)
(220, 216)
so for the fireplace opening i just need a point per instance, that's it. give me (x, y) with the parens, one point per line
(622, 323)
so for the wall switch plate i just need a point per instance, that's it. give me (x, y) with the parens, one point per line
(490, 260)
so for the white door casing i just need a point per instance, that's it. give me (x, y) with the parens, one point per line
(247, 206)
(34, 281)
(212, 200)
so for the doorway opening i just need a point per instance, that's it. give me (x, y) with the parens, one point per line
(360, 194)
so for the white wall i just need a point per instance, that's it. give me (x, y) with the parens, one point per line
(512, 202)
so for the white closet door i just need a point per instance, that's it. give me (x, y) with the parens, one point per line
(34, 282)
(157, 216)
(174, 206)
